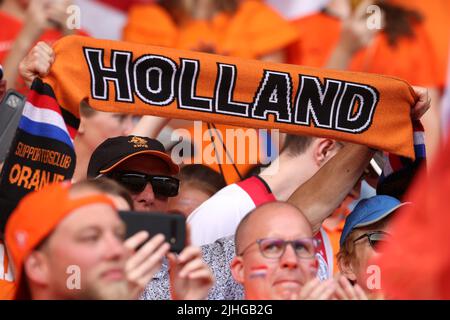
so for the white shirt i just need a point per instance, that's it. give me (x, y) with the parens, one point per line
(220, 215)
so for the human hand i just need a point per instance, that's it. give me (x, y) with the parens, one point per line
(190, 277)
(57, 15)
(37, 62)
(314, 290)
(423, 103)
(355, 32)
(36, 19)
(144, 263)
(346, 291)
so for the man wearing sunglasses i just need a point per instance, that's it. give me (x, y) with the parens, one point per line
(142, 166)
(365, 231)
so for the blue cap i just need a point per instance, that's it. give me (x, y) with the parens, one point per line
(368, 211)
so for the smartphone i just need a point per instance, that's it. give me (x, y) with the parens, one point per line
(11, 108)
(171, 225)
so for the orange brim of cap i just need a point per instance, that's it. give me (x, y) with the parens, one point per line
(173, 167)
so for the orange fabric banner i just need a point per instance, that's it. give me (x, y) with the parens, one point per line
(129, 78)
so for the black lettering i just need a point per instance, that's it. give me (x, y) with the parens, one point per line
(154, 79)
(117, 73)
(356, 108)
(187, 98)
(316, 101)
(226, 81)
(274, 96)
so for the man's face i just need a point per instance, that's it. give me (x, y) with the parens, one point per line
(87, 246)
(283, 276)
(148, 200)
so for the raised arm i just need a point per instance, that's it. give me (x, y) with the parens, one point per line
(150, 126)
(320, 195)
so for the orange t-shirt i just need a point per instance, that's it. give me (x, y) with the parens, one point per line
(10, 28)
(334, 234)
(412, 59)
(437, 23)
(253, 31)
(7, 285)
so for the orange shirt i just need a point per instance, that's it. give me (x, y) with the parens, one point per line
(253, 31)
(318, 35)
(437, 23)
(10, 28)
(237, 150)
(334, 233)
(7, 285)
(412, 59)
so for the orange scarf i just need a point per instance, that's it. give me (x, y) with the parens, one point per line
(129, 78)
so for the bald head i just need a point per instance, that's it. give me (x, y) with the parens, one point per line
(271, 220)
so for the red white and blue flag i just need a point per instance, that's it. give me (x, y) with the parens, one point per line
(42, 151)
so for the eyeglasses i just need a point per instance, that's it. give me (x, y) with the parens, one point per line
(375, 239)
(136, 182)
(273, 248)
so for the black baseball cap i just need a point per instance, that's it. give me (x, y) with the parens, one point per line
(113, 151)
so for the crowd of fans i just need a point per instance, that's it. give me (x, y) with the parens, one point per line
(310, 231)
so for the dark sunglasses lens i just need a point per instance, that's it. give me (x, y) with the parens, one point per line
(165, 186)
(134, 183)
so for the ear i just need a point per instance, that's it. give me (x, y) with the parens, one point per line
(323, 151)
(237, 269)
(36, 268)
(346, 268)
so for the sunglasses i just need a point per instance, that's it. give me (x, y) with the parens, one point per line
(375, 238)
(136, 182)
(273, 248)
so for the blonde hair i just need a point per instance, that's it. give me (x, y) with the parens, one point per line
(346, 252)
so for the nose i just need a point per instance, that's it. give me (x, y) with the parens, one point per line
(289, 259)
(146, 198)
(115, 249)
